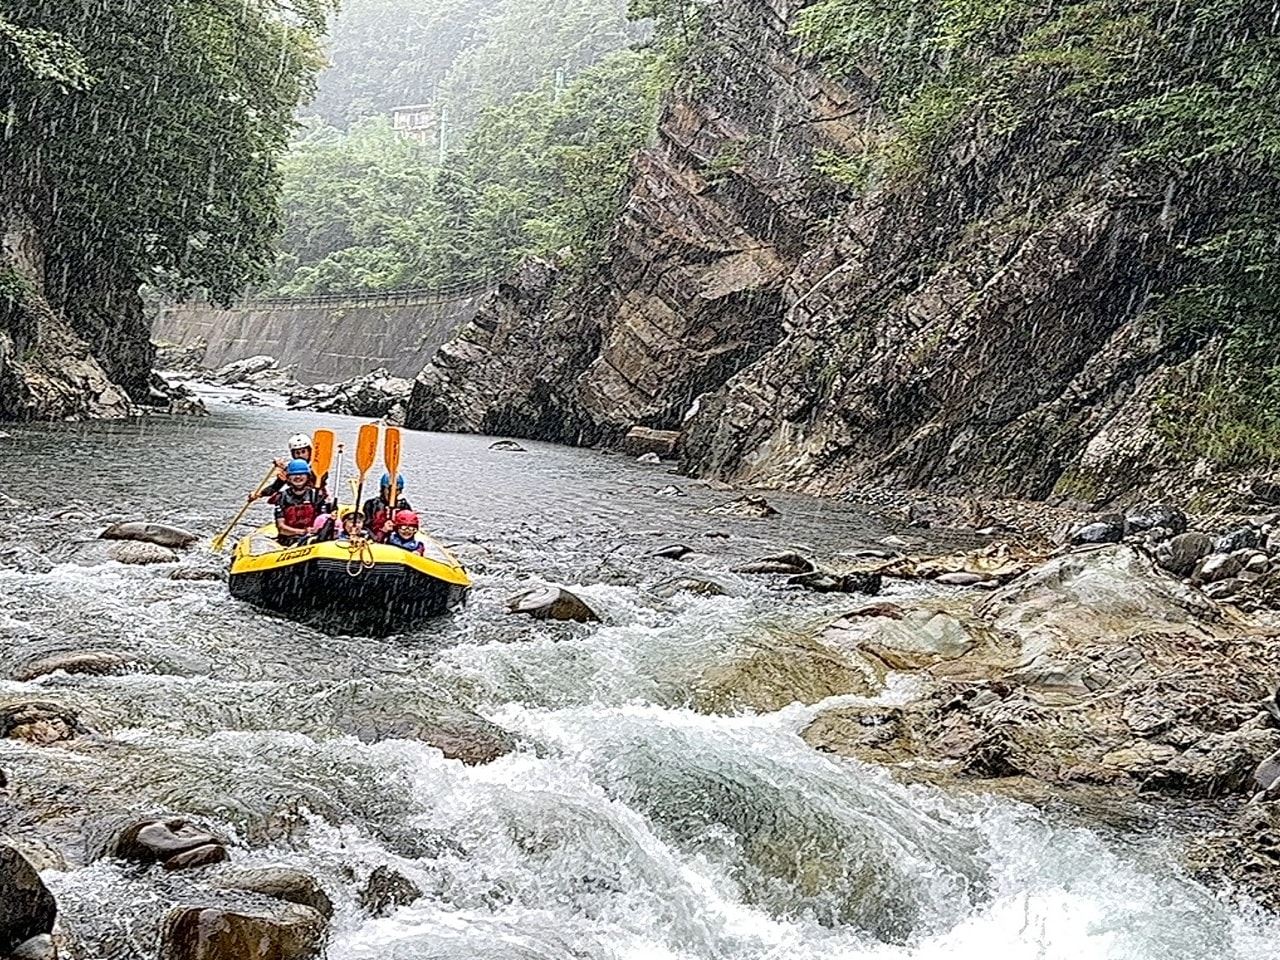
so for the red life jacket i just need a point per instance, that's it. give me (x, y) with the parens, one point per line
(301, 509)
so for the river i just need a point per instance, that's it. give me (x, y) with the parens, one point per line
(633, 821)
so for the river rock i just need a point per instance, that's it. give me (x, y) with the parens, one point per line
(370, 395)
(507, 446)
(165, 841)
(1155, 516)
(157, 533)
(210, 853)
(702, 588)
(374, 715)
(39, 722)
(138, 553)
(673, 551)
(792, 563)
(239, 371)
(642, 440)
(552, 603)
(1103, 531)
(197, 574)
(960, 579)
(1238, 539)
(1219, 764)
(1181, 554)
(750, 506)
(856, 581)
(92, 662)
(385, 890)
(281, 883)
(649, 458)
(27, 908)
(1267, 776)
(289, 932)
(1217, 567)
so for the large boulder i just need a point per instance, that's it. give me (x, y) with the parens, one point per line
(174, 842)
(27, 908)
(39, 721)
(281, 883)
(287, 932)
(552, 603)
(239, 371)
(1181, 554)
(158, 533)
(642, 440)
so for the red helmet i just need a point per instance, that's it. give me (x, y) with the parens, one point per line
(405, 518)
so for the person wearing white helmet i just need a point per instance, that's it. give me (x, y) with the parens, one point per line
(299, 449)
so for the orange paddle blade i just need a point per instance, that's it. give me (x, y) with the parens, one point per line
(321, 452)
(366, 447)
(391, 452)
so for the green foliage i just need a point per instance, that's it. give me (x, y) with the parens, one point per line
(541, 174)
(163, 169)
(1181, 97)
(45, 55)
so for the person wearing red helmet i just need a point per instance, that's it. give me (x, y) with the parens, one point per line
(405, 533)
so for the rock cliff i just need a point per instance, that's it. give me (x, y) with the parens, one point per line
(982, 328)
(47, 369)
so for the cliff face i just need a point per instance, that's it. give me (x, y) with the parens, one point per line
(982, 329)
(47, 369)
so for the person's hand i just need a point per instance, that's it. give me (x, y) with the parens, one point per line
(252, 496)
(388, 526)
(279, 462)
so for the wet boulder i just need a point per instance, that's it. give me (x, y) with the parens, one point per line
(1181, 554)
(158, 533)
(39, 722)
(856, 581)
(240, 371)
(961, 578)
(287, 932)
(174, 842)
(673, 551)
(92, 662)
(385, 890)
(507, 446)
(27, 908)
(1156, 516)
(1239, 539)
(552, 603)
(791, 563)
(374, 715)
(1218, 764)
(281, 883)
(1102, 531)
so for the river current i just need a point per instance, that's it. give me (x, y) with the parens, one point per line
(639, 817)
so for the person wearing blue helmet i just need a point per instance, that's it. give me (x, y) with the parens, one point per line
(379, 510)
(299, 504)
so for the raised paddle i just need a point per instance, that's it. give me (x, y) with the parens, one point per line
(366, 453)
(221, 538)
(391, 457)
(321, 453)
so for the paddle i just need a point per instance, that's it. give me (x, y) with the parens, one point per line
(321, 453)
(391, 457)
(366, 452)
(221, 538)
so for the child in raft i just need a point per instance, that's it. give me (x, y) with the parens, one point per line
(352, 526)
(405, 533)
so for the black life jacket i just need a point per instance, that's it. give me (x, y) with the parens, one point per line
(301, 509)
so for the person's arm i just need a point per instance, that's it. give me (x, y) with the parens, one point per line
(284, 529)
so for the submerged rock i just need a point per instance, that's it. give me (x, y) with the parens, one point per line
(385, 890)
(507, 446)
(820, 581)
(751, 506)
(27, 908)
(132, 552)
(792, 563)
(93, 662)
(281, 883)
(39, 721)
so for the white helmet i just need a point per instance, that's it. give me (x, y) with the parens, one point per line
(298, 441)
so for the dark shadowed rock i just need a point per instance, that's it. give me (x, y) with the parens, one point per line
(199, 857)
(820, 581)
(281, 883)
(792, 563)
(385, 890)
(1099, 532)
(289, 932)
(158, 533)
(1181, 554)
(672, 551)
(1238, 539)
(27, 908)
(552, 603)
(1156, 515)
(1267, 775)
(1217, 765)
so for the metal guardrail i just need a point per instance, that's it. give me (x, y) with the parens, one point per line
(416, 296)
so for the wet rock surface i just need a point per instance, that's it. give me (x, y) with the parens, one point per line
(27, 908)
(552, 603)
(289, 932)
(174, 842)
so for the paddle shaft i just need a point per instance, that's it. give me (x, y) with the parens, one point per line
(221, 538)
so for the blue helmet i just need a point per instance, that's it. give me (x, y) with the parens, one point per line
(295, 467)
(386, 481)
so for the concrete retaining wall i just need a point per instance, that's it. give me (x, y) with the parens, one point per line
(325, 339)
